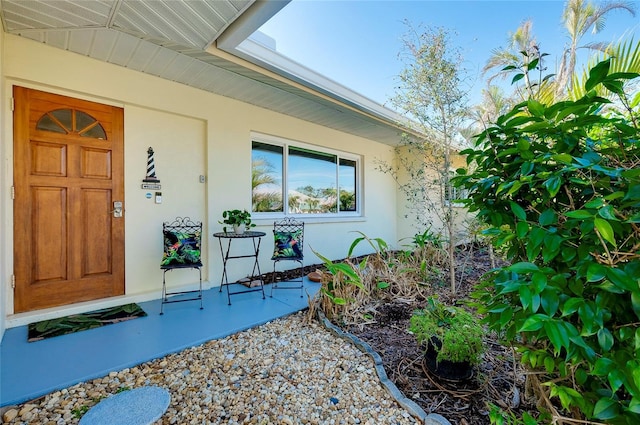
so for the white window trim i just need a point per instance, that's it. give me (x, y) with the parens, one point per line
(285, 144)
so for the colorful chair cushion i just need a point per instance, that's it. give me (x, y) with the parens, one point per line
(286, 245)
(181, 249)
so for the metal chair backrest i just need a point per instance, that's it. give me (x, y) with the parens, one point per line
(289, 234)
(182, 243)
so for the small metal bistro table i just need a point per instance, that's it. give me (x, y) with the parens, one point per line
(255, 238)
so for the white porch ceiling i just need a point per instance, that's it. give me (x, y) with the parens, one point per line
(172, 39)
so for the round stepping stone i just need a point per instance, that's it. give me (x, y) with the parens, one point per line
(140, 406)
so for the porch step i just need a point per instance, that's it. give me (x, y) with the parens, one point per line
(140, 406)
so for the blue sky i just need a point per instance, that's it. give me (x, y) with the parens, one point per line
(356, 42)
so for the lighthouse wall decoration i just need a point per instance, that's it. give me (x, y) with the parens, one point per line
(151, 181)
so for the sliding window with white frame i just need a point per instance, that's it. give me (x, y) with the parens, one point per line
(306, 179)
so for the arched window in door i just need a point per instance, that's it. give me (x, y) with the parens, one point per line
(70, 121)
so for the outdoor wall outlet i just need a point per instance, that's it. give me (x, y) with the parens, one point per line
(202, 179)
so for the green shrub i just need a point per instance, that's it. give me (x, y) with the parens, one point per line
(559, 187)
(458, 332)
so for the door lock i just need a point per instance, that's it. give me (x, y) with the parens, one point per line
(117, 209)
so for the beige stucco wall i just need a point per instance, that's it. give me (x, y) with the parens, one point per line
(406, 226)
(193, 133)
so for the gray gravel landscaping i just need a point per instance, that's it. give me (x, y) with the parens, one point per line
(288, 371)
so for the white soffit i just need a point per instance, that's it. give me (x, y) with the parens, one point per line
(173, 40)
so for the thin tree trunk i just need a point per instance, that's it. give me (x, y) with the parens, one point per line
(452, 261)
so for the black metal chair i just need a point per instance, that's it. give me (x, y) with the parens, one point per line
(182, 238)
(288, 235)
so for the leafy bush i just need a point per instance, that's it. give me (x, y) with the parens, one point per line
(458, 332)
(353, 288)
(559, 187)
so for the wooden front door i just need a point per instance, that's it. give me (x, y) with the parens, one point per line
(68, 175)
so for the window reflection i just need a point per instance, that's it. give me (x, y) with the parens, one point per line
(311, 182)
(307, 181)
(347, 180)
(266, 178)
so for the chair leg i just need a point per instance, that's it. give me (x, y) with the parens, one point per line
(301, 278)
(200, 272)
(164, 292)
(273, 280)
(293, 280)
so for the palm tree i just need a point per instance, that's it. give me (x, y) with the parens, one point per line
(625, 58)
(522, 40)
(579, 17)
(261, 174)
(494, 103)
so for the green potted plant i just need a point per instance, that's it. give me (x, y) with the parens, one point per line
(239, 220)
(451, 337)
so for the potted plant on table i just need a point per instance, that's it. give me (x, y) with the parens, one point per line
(239, 220)
(451, 338)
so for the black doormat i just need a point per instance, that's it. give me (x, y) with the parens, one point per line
(81, 322)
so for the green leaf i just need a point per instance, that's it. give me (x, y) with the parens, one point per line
(549, 364)
(523, 145)
(355, 243)
(623, 76)
(603, 366)
(636, 376)
(597, 74)
(522, 228)
(621, 279)
(579, 214)
(539, 281)
(547, 218)
(551, 247)
(526, 168)
(563, 157)
(605, 408)
(594, 203)
(614, 87)
(528, 419)
(557, 335)
(608, 213)
(634, 405)
(533, 323)
(605, 230)
(383, 285)
(616, 379)
(596, 272)
(605, 339)
(553, 185)
(515, 187)
(533, 64)
(523, 267)
(535, 108)
(571, 306)
(635, 303)
(518, 211)
(549, 300)
(525, 297)
(517, 78)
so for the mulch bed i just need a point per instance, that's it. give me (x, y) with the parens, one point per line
(499, 379)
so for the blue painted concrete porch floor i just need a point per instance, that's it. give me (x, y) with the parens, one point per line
(29, 370)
